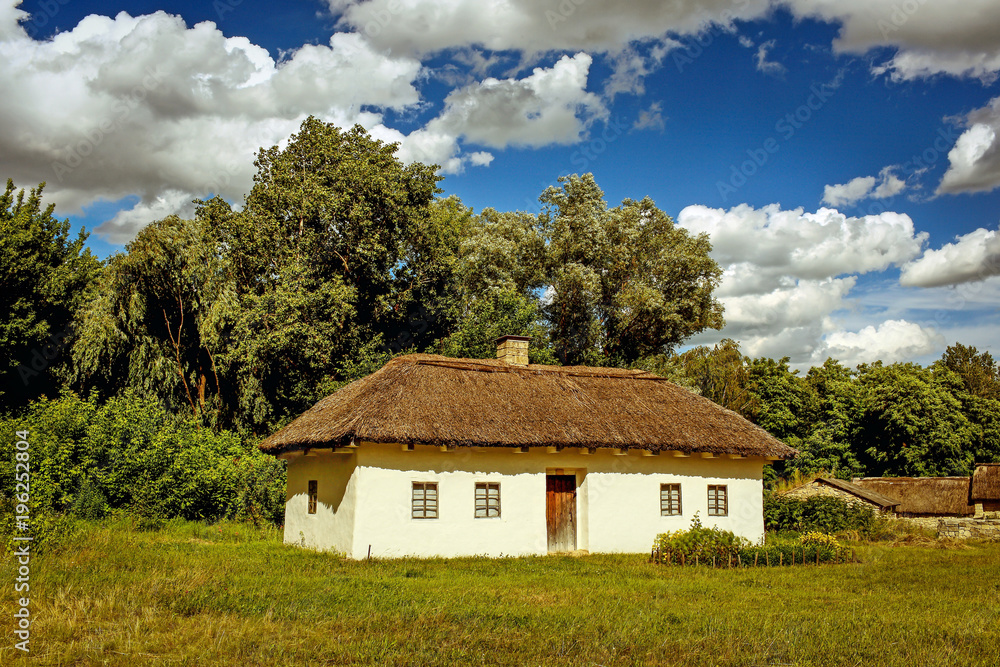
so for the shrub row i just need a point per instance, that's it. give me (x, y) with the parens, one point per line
(819, 513)
(131, 454)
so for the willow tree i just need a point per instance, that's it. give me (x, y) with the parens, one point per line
(625, 282)
(160, 321)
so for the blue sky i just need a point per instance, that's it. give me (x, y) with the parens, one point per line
(844, 157)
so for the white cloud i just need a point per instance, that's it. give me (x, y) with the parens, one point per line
(972, 257)
(890, 341)
(796, 244)
(974, 162)
(787, 273)
(122, 227)
(147, 106)
(427, 26)
(847, 194)
(864, 187)
(551, 106)
(768, 66)
(958, 39)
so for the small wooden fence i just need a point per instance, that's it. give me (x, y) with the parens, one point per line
(757, 557)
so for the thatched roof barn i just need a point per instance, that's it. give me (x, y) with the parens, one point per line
(985, 489)
(923, 496)
(846, 491)
(425, 399)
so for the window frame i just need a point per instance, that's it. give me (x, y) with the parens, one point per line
(313, 495)
(424, 508)
(486, 487)
(713, 508)
(666, 511)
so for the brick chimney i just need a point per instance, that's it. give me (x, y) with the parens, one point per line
(513, 350)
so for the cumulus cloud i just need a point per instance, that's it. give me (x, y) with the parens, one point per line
(530, 26)
(145, 106)
(972, 257)
(959, 39)
(786, 272)
(929, 38)
(974, 162)
(779, 244)
(864, 187)
(890, 341)
(122, 227)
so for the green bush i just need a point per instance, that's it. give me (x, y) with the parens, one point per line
(721, 548)
(819, 513)
(700, 544)
(131, 454)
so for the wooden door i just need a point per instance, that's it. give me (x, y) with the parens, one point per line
(560, 511)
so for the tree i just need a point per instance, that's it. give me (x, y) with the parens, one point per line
(626, 282)
(317, 259)
(911, 423)
(977, 386)
(832, 437)
(160, 324)
(45, 278)
(780, 401)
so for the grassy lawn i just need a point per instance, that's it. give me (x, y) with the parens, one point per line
(193, 594)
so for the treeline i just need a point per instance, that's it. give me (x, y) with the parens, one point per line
(899, 419)
(217, 330)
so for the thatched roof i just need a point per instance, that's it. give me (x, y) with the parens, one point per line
(865, 494)
(433, 400)
(985, 483)
(942, 496)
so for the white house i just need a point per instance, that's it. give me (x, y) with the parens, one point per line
(432, 456)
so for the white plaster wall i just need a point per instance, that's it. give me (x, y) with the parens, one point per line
(331, 528)
(618, 500)
(386, 474)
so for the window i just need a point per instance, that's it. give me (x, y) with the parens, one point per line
(670, 499)
(487, 500)
(312, 496)
(718, 501)
(425, 500)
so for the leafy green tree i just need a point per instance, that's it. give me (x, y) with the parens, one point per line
(829, 446)
(718, 373)
(626, 282)
(977, 386)
(160, 323)
(911, 423)
(316, 255)
(780, 401)
(45, 277)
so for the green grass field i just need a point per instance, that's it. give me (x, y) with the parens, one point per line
(193, 594)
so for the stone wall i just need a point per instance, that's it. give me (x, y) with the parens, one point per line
(982, 529)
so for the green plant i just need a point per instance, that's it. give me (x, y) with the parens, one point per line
(699, 544)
